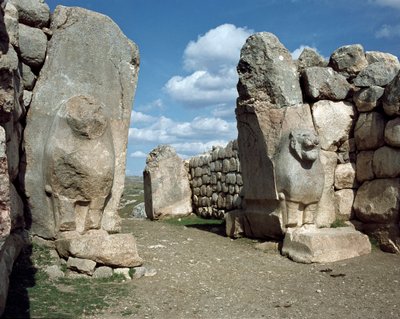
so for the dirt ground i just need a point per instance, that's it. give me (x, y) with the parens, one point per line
(202, 274)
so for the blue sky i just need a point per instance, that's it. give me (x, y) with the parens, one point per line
(189, 50)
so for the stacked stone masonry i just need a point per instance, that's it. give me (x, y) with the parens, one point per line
(23, 44)
(216, 181)
(33, 97)
(352, 102)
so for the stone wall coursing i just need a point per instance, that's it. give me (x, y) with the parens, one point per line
(354, 103)
(216, 181)
(23, 44)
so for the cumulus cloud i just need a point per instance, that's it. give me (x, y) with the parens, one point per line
(188, 138)
(387, 31)
(387, 3)
(212, 61)
(138, 154)
(139, 117)
(156, 104)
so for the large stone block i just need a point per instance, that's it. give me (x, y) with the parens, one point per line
(344, 200)
(325, 244)
(377, 201)
(392, 132)
(378, 73)
(364, 170)
(333, 133)
(309, 58)
(32, 44)
(324, 84)
(349, 60)
(267, 72)
(116, 250)
(366, 99)
(166, 184)
(5, 205)
(35, 13)
(386, 162)
(369, 131)
(345, 176)
(81, 39)
(391, 97)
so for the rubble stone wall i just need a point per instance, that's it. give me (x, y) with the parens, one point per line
(216, 181)
(23, 45)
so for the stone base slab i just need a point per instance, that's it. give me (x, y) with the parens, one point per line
(322, 245)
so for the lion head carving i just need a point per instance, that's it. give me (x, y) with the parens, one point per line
(304, 145)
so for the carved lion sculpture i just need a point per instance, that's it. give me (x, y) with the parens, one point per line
(79, 164)
(299, 177)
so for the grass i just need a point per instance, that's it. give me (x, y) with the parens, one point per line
(133, 190)
(33, 295)
(338, 223)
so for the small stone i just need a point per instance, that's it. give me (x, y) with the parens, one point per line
(345, 176)
(392, 132)
(32, 44)
(84, 266)
(139, 272)
(54, 272)
(348, 60)
(150, 272)
(103, 272)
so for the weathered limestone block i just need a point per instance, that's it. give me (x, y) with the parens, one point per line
(326, 212)
(366, 99)
(5, 205)
(325, 245)
(344, 200)
(333, 133)
(391, 97)
(32, 44)
(309, 58)
(11, 24)
(35, 13)
(85, 38)
(376, 56)
(348, 60)
(377, 201)
(267, 72)
(364, 170)
(85, 266)
(9, 89)
(299, 177)
(378, 73)
(369, 131)
(345, 176)
(392, 132)
(76, 182)
(324, 84)
(116, 250)
(28, 78)
(386, 162)
(166, 185)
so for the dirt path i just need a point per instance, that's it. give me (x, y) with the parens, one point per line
(205, 275)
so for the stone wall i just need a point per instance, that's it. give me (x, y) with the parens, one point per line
(24, 36)
(352, 103)
(216, 181)
(64, 119)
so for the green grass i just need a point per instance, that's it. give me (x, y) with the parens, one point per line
(338, 223)
(33, 295)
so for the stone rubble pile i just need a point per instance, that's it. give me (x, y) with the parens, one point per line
(216, 181)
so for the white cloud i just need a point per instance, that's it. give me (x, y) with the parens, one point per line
(212, 59)
(194, 148)
(139, 117)
(216, 49)
(188, 138)
(156, 104)
(138, 154)
(387, 3)
(388, 31)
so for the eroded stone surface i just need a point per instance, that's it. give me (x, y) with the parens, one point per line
(369, 131)
(386, 162)
(391, 97)
(322, 245)
(110, 82)
(166, 184)
(366, 99)
(35, 13)
(349, 60)
(392, 132)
